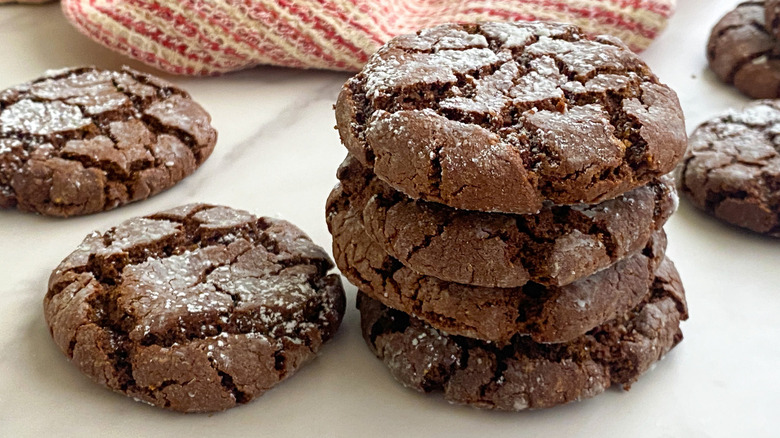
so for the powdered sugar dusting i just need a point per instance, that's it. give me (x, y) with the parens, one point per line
(42, 118)
(399, 70)
(577, 241)
(462, 39)
(8, 145)
(491, 94)
(542, 82)
(126, 236)
(754, 115)
(511, 36)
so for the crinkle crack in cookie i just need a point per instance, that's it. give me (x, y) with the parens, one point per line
(547, 314)
(194, 309)
(772, 17)
(83, 140)
(743, 52)
(732, 167)
(557, 246)
(524, 374)
(502, 117)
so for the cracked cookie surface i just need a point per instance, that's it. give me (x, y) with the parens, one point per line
(732, 167)
(743, 52)
(524, 374)
(555, 247)
(83, 140)
(547, 314)
(194, 309)
(502, 117)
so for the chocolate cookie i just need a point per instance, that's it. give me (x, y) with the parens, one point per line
(194, 309)
(557, 246)
(743, 52)
(732, 167)
(772, 17)
(84, 140)
(504, 116)
(547, 314)
(524, 374)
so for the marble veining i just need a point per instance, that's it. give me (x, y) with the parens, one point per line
(277, 155)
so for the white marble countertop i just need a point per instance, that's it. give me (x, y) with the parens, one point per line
(277, 155)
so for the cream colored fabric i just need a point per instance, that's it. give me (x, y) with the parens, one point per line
(212, 36)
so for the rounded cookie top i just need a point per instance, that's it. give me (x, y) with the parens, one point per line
(84, 140)
(743, 52)
(557, 246)
(524, 374)
(547, 314)
(505, 116)
(732, 167)
(194, 309)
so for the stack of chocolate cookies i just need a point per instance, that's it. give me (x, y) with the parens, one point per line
(501, 211)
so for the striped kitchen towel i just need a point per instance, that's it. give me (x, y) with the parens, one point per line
(201, 37)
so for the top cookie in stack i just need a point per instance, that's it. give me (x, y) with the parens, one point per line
(503, 117)
(504, 197)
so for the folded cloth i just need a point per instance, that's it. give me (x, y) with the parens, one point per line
(201, 37)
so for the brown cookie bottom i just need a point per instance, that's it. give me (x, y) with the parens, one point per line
(555, 247)
(523, 374)
(547, 314)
